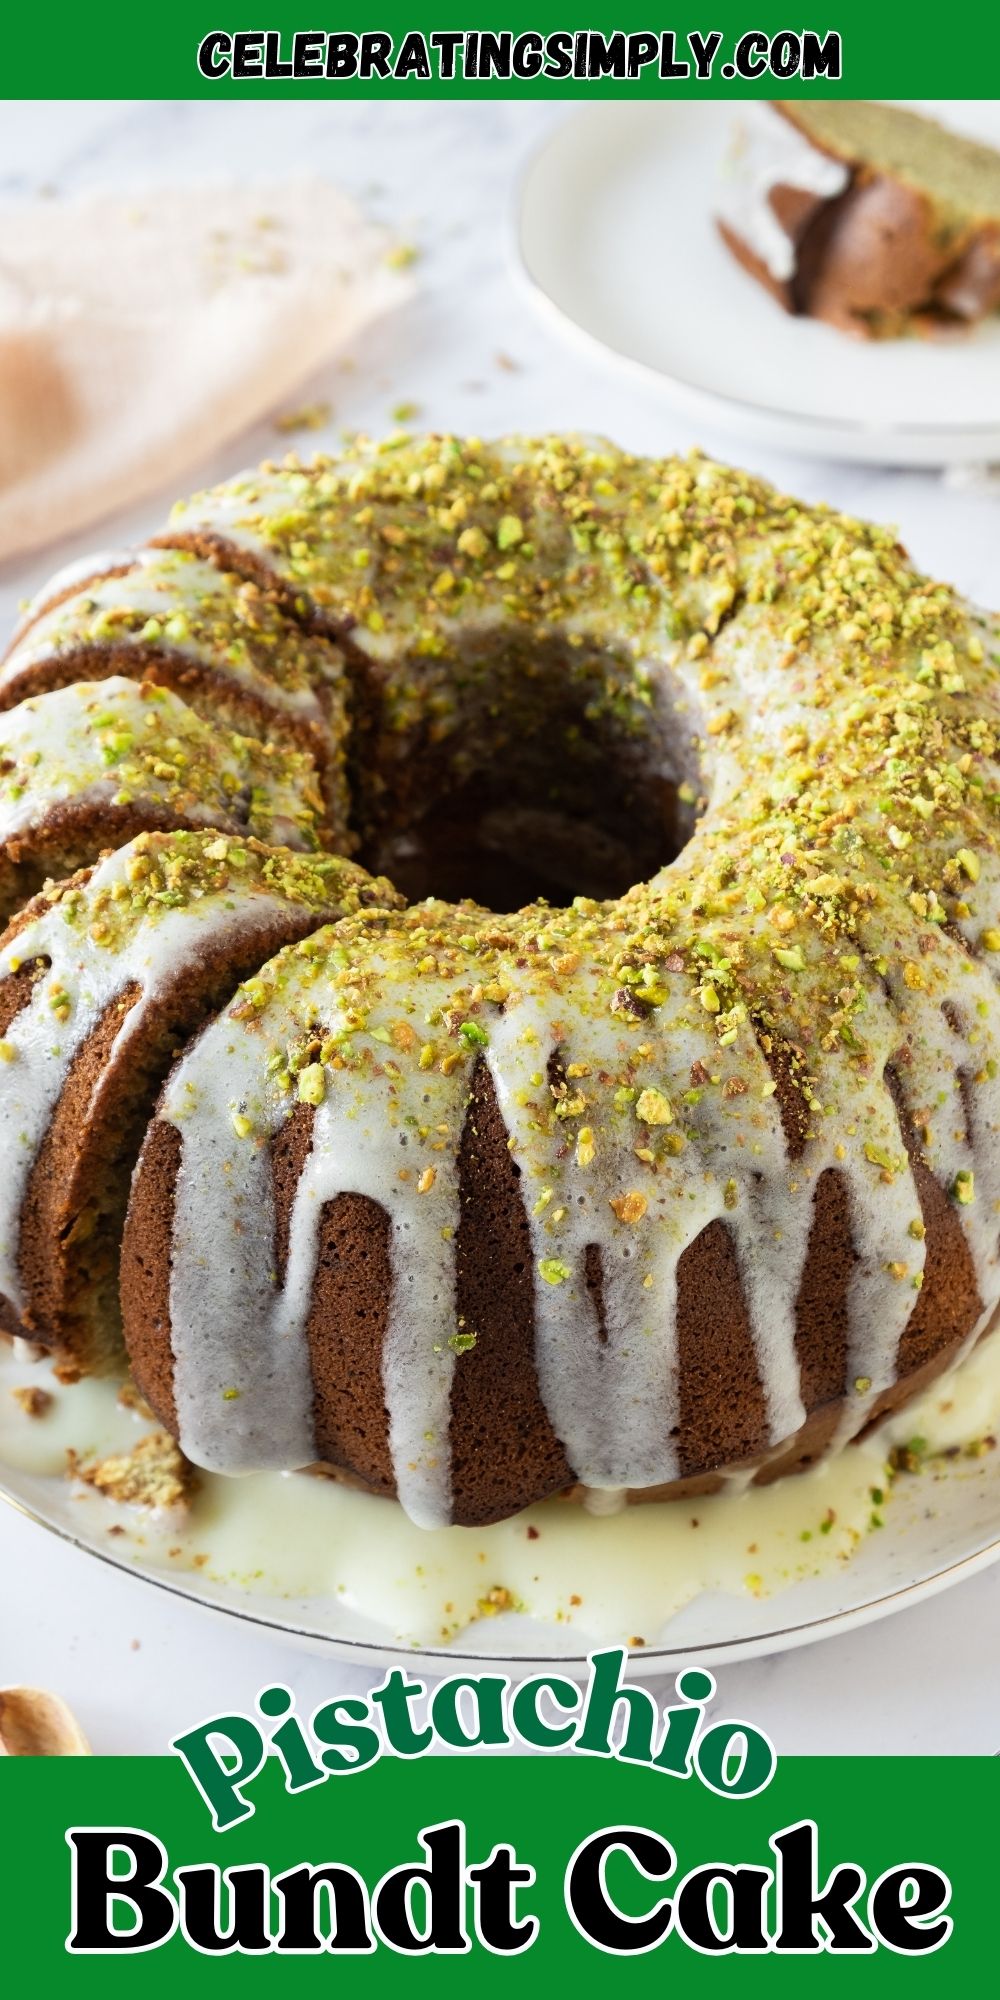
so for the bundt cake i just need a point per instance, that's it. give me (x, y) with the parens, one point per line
(217, 640)
(865, 215)
(696, 1176)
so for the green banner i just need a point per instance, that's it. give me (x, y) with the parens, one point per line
(562, 1870)
(194, 50)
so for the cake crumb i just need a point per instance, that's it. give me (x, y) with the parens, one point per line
(497, 1599)
(34, 1402)
(154, 1474)
(130, 1399)
(308, 417)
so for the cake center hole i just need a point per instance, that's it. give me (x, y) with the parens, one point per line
(504, 850)
(547, 781)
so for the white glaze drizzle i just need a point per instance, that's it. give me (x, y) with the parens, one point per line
(228, 1370)
(769, 152)
(612, 1403)
(171, 588)
(237, 1330)
(54, 746)
(370, 1574)
(607, 1402)
(86, 978)
(69, 578)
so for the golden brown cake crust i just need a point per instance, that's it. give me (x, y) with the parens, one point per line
(505, 1455)
(151, 939)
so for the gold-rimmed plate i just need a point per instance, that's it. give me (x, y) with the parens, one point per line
(245, 1553)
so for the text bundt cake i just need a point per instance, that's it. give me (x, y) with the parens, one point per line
(696, 1174)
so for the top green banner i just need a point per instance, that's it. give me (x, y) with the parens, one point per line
(194, 49)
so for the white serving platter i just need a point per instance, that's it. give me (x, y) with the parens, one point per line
(938, 1527)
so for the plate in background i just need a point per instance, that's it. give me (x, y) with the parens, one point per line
(615, 238)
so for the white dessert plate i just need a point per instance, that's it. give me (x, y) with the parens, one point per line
(345, 1573)
(615, 239)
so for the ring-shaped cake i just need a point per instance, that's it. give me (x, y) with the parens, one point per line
(691, 1177)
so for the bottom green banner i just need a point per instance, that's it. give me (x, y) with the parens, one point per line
(526, 1866)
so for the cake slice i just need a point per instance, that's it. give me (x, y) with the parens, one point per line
(87, 767)
(865, 215)
(101, 981)
(221, 642)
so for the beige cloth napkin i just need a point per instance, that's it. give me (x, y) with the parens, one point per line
(136, 335)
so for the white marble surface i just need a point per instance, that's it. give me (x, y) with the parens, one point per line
(136, 1665)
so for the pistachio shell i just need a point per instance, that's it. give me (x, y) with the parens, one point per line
(34, 1723)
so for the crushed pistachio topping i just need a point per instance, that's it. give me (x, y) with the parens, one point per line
(787, 663)
(162, 872)
(312, 1084)
(654, 1108)
(629, 1207)
(173, 601)
(554, 1271)
(137, 743)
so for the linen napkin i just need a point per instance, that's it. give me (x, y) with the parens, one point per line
(136, 334)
